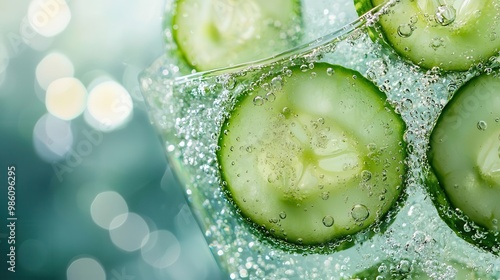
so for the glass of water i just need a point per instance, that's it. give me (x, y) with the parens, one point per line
(318, 160)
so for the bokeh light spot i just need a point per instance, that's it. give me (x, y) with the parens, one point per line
(65, 98)
(49, 17)
(109, 106)
(162, 249)
(106, 207)
(52, 67)
(84, 269)
(52, 138)
(132, 234)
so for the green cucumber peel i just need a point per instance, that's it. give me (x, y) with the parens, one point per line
(452, 35)
(316, 160)
(464, 158)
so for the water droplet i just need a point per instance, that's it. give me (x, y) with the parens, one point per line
(359, 212)
(482, 125)
(498, 151)
(330, 71)
(328, 221)
(445, 15)
(366, 175)
(249, 149)
(282, 215)
(325, 195)
(405, 30)
(258, 100)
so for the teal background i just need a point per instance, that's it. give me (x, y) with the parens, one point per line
(54, 225)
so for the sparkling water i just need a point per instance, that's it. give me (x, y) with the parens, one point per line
(189, 111)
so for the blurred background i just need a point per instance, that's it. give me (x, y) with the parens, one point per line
(94, 197)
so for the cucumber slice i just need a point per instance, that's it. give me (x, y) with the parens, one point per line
(465, 157)
(449, 34)
(220, 33)
(406, 269)
(318, 158)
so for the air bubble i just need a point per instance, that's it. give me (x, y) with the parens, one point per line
(249, 149)
(482, 125)
(366, 175)
(467, 228)
(493, 36)
(452, 87)
(359, 212)
(413, 19)
(304, 68)
(330, 71)
(371, 147)
(270, 97)
(277, 83)
(273, 221)
(287, 72)
(445, 15)
(282, 215)
(404, 266)
(328, 221)
(229, 83)
(405, 30)
(325, 195)
(258, 101)
(436, 42)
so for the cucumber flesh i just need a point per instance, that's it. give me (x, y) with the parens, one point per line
(320, 158)
(449, 34)
(219, 33)
(465, 151)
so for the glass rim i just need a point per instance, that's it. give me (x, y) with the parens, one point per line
(300, 50)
